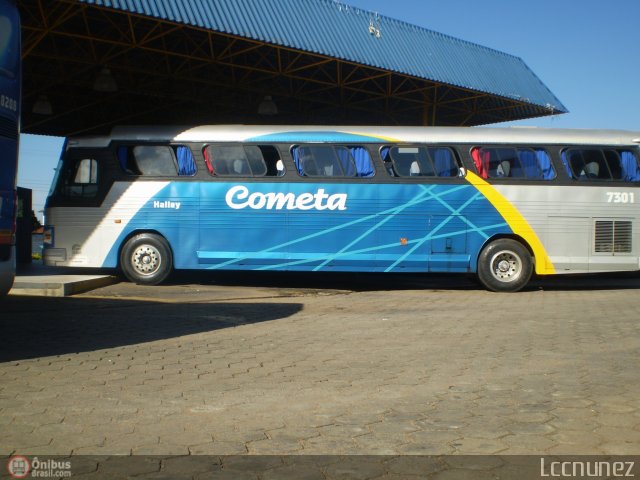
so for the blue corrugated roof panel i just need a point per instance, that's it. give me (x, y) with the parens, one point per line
(335, 29)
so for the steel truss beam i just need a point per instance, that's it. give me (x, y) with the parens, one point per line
(171, 73)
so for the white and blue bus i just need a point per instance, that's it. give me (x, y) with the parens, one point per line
(10, 69)
(501, 203)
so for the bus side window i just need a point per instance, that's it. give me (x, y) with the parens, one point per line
(155, 160)
(582, 164)
(235, 160)
(601, 164)
(594, 164)
(331, 161)
(508, 162)
(411, 161)
(420, 161)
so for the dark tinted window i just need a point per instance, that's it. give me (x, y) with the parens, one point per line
(419, 161)
(157, 160)
(593, 164)
(332, 161)
(510, 162)
(236, 160)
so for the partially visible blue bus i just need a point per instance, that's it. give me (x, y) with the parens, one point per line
(10, 99)
(501, 203)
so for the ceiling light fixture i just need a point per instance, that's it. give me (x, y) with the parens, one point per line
(105, 82)
(42, 106)
(267, 106)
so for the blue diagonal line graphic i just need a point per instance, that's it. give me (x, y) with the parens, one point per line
(418, 244)
(394, 210)
(375, 248)
(375, 227)
(473, 226)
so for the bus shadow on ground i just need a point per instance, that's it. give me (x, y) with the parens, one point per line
(593, 281)
(35, 327)
(356, 282)
(371, 282)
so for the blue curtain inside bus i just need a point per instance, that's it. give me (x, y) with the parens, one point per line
(565, 162)
(629, 164)
(295, 153)
(346, 161)
(529, 165)
(544, 162)
(186, 163)
(364, 166)
(445, 163)
(122, 158)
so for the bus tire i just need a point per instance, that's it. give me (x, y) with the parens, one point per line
(146, 259)
(505, 265)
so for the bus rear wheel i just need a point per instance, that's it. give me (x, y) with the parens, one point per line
(146, 259)
(505, 265)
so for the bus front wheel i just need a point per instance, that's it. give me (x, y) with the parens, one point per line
(146, 259)
(505, 265)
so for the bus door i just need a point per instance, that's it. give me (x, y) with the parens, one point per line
(81, 182)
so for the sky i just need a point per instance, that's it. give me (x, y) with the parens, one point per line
(584, 51)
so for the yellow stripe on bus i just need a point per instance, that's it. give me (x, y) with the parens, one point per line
(377, 137)
(516, 221)
(511, 215)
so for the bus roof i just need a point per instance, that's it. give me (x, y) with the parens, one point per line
(359, 134)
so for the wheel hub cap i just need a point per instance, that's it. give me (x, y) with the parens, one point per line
(146, 259)
(506, 266)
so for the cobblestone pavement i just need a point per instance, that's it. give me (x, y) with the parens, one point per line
(342, 365)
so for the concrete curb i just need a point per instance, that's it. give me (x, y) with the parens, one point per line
(59, 285)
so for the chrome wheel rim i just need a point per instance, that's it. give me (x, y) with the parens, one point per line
(146, 259)
(506, 266)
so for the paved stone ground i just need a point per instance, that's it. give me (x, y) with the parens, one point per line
(340, 365)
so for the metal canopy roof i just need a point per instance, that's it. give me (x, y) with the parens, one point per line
(213, 61)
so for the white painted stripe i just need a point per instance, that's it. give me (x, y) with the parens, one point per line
(121, 205)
